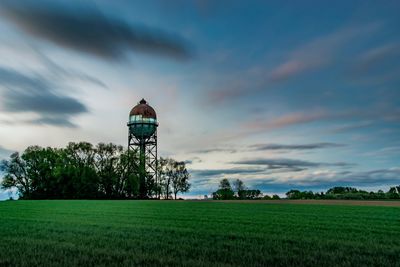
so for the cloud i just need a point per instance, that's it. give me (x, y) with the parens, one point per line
(387, 152)
(89, 31)
(351, 127)
(314, 55)
(54, 121)
(264, 123)
(360, 118)
(61, 72)
(391, 175)
(288, 163)
(375, 57)
(288, 120)
(318, 52)
(44, 102)
(23, 93)
(268, 171)
(312, 146)
(23, 54)
(212, 150)
(289, 69)
(254, 125)
(376, 66)
(219, 172)
(331, 178)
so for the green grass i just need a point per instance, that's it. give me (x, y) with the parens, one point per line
(169, 233)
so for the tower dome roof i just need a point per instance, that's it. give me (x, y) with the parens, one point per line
(143, 109)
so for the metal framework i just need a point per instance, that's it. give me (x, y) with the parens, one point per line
(144, 160)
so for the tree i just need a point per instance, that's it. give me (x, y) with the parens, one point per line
(127, 184)
(341, 190)
(251, 194)
(394, 192)
(173, 176)
(41, 164)
(239, 188)
(296, 194)
(16, 175)
(224, 184)
(106, 160)
(225, 191)
(80, 175)
(180, 178)
(293, 194)
(165, 169)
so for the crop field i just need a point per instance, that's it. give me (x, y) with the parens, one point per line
(184, 233)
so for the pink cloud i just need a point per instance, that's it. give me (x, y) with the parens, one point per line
(287, 69)
(286, 120)
(379, 54)
(316, 54)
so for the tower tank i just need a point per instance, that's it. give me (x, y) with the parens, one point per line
(142, 120)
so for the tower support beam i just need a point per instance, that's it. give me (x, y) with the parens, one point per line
(143, 163)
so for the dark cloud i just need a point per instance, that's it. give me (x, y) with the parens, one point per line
(44, 102)
(291, 164)
(277, 163)
(295, 147)
(54, 121)
(212, 150)
(23, 93)
(271, 169)
(351, 127)
(217, 172)
(87, 30)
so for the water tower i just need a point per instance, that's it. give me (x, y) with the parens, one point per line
(142, 142)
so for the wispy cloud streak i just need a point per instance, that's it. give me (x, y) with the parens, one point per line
(288, 163)
(312, 146)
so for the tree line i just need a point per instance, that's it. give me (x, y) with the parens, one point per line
(238, 191)
(350, 193)
(84, 171)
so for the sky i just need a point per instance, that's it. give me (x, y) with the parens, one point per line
(281, 94)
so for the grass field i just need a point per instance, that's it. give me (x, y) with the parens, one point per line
(183, 233)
